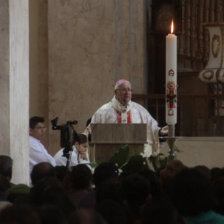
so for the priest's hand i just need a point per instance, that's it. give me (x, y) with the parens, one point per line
(164, 130)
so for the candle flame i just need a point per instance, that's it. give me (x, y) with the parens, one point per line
(172, 26)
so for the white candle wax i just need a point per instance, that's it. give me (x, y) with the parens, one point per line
(171, 79)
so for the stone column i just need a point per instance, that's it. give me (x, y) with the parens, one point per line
(14, 86)
(19, 88)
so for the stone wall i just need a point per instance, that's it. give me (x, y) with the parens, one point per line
(91, 44)
(4, 77)
(38, 23)
(194, 151)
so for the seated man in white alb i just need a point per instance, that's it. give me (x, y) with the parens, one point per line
(38, 152)
(79, 153)
(122, 110)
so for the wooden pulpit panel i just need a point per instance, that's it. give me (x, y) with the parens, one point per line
(106, 139)
(119, 133)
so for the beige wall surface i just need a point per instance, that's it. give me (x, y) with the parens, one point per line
(91, 44)
(208, 151)
(4, 77)
(38, 35)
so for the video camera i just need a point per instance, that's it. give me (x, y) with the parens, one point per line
(68, 135)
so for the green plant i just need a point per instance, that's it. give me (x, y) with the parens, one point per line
(160, 160)
(129, 164)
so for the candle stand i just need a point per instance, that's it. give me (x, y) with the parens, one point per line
(171, 141)
(171, 90)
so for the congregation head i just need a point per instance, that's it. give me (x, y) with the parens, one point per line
(6, 166)
(81, 177)
(40, 171)
(191, 192)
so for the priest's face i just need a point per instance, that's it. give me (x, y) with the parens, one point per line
(124, 93)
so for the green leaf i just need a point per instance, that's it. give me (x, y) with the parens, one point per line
(159, 161)
(93, 164)
(121, 156)
(135, 164)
